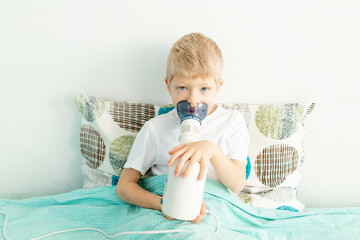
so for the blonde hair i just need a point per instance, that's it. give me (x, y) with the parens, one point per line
(195, 55)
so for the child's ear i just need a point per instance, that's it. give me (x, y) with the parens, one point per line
(220, 84)
(167, 85)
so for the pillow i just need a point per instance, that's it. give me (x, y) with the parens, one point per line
(281, 198)
(276, 152)
(276, 142)
(108, 130)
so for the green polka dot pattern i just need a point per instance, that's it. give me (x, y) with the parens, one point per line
(275, 163)
(278, 121)
(91, 108)
(244, 197)
(92, 146)
(119, 152)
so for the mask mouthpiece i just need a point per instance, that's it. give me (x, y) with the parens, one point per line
(185, 111)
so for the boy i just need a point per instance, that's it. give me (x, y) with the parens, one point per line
(194, 73)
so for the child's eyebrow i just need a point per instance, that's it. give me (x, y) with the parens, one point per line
(180, 83)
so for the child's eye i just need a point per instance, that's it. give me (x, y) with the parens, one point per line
(182, 88)
(204, 89)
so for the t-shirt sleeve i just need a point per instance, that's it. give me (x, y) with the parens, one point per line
(239, 139)
(143, 152)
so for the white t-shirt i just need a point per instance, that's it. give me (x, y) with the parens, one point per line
(226, 128)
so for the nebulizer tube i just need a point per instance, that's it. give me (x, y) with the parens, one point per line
(182, 198)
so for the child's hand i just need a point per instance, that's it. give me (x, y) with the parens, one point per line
(170, 218)
(193, 152)
(199, 218)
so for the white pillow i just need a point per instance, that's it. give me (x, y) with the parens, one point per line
(109, 128)
(276, 151)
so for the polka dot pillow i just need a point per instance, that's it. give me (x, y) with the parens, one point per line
(276, 142)
(276, 152)
(108, 130)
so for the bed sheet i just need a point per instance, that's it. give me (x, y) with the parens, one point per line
(100, 208)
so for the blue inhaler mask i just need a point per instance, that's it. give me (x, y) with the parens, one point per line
(190, 119)
(185, 111)
(183, 197)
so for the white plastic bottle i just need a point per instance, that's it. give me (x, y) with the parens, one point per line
(183, 197)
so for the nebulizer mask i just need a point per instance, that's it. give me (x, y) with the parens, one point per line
(182, 198)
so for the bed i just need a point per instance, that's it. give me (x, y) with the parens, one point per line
(266, 209)
(99, 208)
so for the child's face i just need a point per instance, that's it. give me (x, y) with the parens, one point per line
(196, 90)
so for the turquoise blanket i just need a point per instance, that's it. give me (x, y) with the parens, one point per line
(100, 208)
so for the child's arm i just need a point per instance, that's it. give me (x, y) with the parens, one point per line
(232, 173)
(129, 191)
